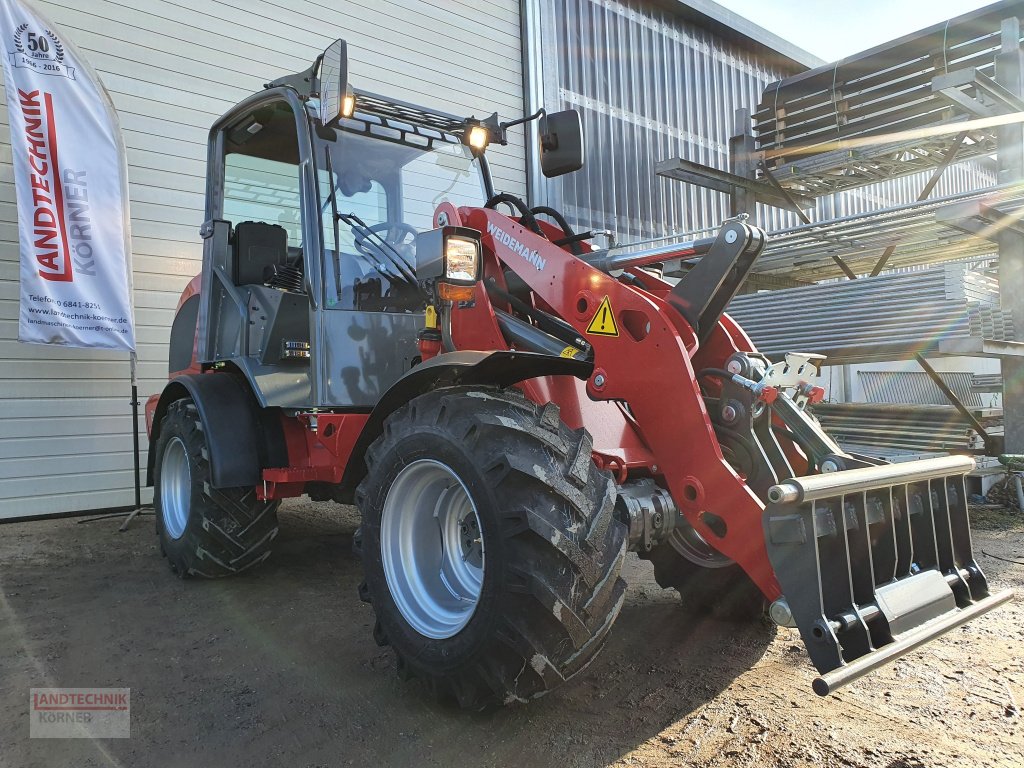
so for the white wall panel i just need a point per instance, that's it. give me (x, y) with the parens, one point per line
(172, 67)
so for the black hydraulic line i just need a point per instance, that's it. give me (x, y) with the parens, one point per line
(570, 239)
(533, 339)
(632, 279)
(579, 237)
(719, 373)
(992, 446)
(545, 321)
(545, 210)
(518, 204)
(819, 444)
(794, 438)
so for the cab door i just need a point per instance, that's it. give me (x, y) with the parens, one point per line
(261, 265)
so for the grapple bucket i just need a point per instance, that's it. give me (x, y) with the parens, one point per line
(875, 562)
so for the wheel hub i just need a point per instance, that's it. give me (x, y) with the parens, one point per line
(175, 488)
(432, 548)
(687, 542)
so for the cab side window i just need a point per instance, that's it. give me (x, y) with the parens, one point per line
(262, 198)
(261, 190)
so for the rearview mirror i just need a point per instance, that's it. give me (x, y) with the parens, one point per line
(333, 83)
(561, 143)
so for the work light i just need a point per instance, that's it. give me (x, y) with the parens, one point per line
(461, 259)
(348, 105)
(448, 262)
(478, 137)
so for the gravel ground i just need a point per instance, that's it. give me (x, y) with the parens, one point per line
(279, 668)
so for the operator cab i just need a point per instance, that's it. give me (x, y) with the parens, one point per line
(378, 184)
(314, 229)
(315, 197)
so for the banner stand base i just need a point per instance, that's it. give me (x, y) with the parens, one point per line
(140, 508)
(137, 512)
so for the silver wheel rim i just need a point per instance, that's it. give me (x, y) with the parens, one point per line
(432, 549)
(687, 542)
(175, 488)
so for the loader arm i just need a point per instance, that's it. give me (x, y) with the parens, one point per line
(868, 560)
(650, 354)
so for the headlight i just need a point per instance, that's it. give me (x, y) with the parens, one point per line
(448, 262)
(461, 260)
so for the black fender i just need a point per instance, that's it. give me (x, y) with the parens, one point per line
(453, 369)
(242, 438)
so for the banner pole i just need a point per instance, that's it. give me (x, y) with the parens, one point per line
(135, 445)
(135, 433)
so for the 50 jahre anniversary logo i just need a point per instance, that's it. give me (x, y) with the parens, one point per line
(39, 49)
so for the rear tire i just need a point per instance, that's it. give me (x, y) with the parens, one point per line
(204, 531)
(715, 586)
(550, 549)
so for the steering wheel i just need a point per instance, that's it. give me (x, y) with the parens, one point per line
(397, 234)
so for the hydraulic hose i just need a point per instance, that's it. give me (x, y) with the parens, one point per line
(526, 217)
(546, 210)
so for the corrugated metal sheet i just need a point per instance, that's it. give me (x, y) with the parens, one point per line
(869, 427)
(917, 388)
(172, 68)
(888, 317)
(652, 86)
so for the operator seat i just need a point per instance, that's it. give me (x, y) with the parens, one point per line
(259, 249)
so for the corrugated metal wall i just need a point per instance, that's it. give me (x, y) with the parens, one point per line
(173, 67)
(653, 86)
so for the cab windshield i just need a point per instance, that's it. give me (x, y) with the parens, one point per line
(378, 187)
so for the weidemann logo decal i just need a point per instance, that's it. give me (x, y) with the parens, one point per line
(508, 241)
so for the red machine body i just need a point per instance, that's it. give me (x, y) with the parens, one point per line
(642, 405)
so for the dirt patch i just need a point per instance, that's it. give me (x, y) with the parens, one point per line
(991, 517)
(279, 668)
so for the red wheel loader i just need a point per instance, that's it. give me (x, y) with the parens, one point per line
(513, 409)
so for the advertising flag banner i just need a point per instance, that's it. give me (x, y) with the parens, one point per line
(71, 183)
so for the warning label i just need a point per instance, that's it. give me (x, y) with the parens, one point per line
(603, 323)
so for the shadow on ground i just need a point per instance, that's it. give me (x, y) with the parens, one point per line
(279, 667)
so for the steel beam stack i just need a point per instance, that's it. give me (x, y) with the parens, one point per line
(916, 234)
(889, 317)
(881, 113)
(903, 429)
(947, 97)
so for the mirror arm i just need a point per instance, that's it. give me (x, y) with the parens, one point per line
(305, 83)
(511, 123)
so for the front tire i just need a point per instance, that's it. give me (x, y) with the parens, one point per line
(204, 531)
(707, 581)
(489, 545)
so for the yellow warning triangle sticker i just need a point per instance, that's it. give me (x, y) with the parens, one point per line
(603, 323)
